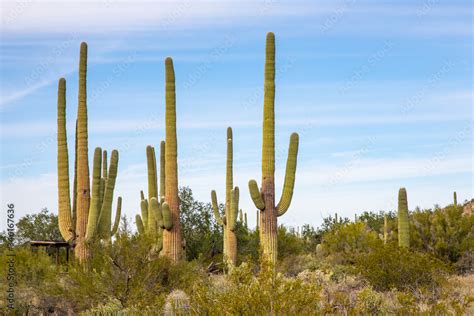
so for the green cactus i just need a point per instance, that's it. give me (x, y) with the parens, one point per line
(245, 220)
(403, 220)
(228, 221)
(74, 223)
(177, 304)
(385, 229)
(155, 216)
(172, 240)
(455, 197)
(264, 199)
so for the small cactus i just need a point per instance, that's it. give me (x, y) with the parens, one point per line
(177, 304)
(455, 197)
(385, 229)
(403, 220)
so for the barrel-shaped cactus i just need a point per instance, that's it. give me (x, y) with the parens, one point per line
(403, 219)
(228, 221)
(74, 223)
(172, 240)
(177, 304)
(264, 197)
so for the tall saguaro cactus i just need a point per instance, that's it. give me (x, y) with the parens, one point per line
(455, 198)
(155, 218)
(172, 243)
(81, 223)
(403, 220)
(264, 198)
(229, 220)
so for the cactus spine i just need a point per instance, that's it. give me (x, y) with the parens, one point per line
(403, 220)
(74, 224)
(172, 244)
(228, 221)
(264, 198)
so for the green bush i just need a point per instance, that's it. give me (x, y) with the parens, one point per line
(390, 267)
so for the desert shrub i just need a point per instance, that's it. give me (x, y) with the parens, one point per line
(248, 244)
(127, 272)
(345, 241)
(391, 267)
(263, 294)
(288, 244)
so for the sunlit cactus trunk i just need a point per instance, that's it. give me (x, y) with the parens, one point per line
(172, 242)
(228, 221)
(83, 184)
(403, 219)
(385, 229)
(264, 198)
(80, 224)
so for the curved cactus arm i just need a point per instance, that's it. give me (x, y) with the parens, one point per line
(105, 219)
(159, 219)
(167, 220)
(215, 208)
(101, 192)
(144, 211)
(117, 216)
(234, 208)
(140, 227)
(64, 197)
(104, 164)
(151, 166)
(152, 210)
(94, 207)
(256, 195)
(289, 183)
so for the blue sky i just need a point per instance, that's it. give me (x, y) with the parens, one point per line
(380, 93)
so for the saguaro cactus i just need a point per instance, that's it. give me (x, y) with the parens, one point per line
(385, 229)
(403, 219)
(155, 218)
(172, 243)
(264, 198)
(228, 221)
(455, 197)
(74, 226)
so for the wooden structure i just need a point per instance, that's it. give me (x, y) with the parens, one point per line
(56, 245)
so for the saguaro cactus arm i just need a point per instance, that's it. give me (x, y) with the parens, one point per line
(140, 227)
(162, 172)
(167, 220)
(144, 211)
(153, 209)
(104, 164)
(289, 183)
(234, 208)
(256, 195)
(152, 178)
(105, 219)
(117, 216)
(215, 208)
(94, 208)
(64, 197)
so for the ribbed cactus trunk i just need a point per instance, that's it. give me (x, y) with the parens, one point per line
(64, 198)
(403, 220)
(172, 244)
(264, 199)
(83, 180)
(228, 222)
